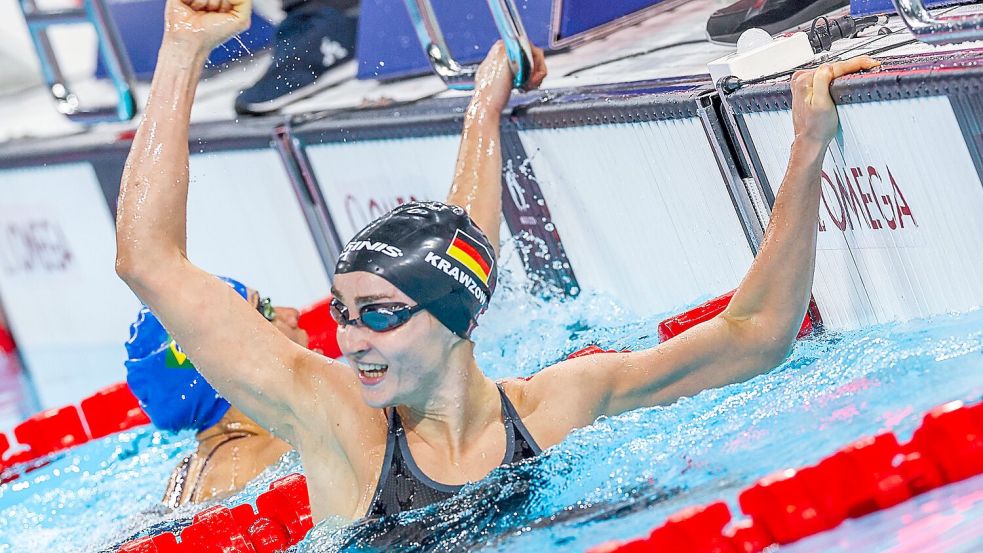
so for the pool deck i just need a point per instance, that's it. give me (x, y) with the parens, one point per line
(30, 113)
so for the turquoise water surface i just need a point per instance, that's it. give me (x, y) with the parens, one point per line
(614, 479)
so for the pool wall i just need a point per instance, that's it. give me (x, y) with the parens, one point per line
(899, 224)
(656, 193)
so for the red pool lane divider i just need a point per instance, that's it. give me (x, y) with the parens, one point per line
(282, 518)
(870, 474)
(678, 324)
(52, 430)
(112, 409)
(674, 326)
(321, 328)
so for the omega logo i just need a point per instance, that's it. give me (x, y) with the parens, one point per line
(858, 197)
(34, 246)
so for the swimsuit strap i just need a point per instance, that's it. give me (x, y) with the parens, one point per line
(387, 462)
(175, 487)
(526, 446)
(204, 464)
(403, 485)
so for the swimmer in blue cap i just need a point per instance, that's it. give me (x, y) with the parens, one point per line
(413, 418)
(232, 448)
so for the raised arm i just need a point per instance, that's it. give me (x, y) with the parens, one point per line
(237, 350)
(756, 331)
(477, 185)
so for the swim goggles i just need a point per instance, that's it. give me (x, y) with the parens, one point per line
(377, 317)
(265, 308)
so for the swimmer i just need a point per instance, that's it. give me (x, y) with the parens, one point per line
(232, 448)
(413, 418)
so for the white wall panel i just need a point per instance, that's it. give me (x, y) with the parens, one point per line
(642, 210)
(877, 263)
(244, 222)
(65, 305)
(362, 180)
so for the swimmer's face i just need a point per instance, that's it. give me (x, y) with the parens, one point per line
(398, 367)
(285, 320)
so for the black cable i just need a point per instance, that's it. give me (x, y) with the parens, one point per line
(637, 54)
(820, 41)
(887, 48)
(836, 28)
(867, 43)
(876, 50)
(891, 32)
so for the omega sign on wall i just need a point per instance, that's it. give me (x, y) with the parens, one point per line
(66, 307)
(34, 244)
(899, 217)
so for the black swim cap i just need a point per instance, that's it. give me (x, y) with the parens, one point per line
(435, 254)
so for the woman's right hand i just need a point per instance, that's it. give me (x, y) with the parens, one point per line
(204, 24)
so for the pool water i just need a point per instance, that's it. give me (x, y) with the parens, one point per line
(615, 479)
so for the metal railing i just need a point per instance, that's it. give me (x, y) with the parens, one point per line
(931, 30)
(456, 75)
(111, 50)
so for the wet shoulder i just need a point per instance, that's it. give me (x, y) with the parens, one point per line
(548, 411)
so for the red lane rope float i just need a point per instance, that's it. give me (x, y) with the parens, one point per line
(678, 324)
(282, 518)
(321, 328)
(674, 326)
(871, 474)
(112, 409)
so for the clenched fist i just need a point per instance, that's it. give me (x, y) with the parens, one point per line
(204, 24)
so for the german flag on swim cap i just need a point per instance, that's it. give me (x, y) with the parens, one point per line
(472, 254)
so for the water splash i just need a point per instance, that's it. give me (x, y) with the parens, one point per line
(242, 45)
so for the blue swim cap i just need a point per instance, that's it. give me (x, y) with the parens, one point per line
(172, 392)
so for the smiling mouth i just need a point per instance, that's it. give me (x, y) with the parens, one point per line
(371, 373)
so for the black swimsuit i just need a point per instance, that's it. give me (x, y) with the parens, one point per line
(403, 486)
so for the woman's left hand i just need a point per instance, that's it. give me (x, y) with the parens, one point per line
(814, 115)
(494, 79)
